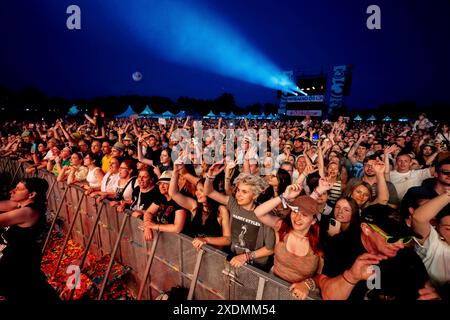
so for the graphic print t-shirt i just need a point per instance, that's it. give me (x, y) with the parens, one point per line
(248, 233)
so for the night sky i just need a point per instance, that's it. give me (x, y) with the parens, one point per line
(408, 59)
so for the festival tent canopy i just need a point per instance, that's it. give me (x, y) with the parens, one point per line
(168, 114)
(372, 118)
(404, 119)
(129, 112)
(231, 115)
(358, 118)
(387, 118)
(147, 112)
(210, 115)
(73, 111)
(181, 114)
(249, 116)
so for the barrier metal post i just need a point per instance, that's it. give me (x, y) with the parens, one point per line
(148, 266)
(15, 173)
(66, 240)
(198, 263)
(260, 291)
(54, 220)
(113, 254)
(91, 238)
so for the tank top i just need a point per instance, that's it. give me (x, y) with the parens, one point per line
(211, 228)
(22, 248)
(291, 267)
(91, 179)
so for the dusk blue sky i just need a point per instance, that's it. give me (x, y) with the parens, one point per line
(408, 59)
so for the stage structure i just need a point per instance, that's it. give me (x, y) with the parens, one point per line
(325, 93)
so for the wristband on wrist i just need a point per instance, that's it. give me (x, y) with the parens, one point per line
(346, 280)
(310, 284)
(210, 177)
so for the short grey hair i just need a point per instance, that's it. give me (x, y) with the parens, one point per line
(257, 183)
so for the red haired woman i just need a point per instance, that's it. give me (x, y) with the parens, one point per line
(298, 256)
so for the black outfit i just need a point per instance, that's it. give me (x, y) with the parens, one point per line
(153, 155)
(211, 228)
(143, 200)
(166, 212)
(401, 276)
(21, 277)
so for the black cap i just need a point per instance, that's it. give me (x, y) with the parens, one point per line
(384, 217)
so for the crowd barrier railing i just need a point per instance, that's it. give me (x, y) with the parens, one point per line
(169, 260)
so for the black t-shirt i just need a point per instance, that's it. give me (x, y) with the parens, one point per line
(166, 211)
(401, 277)
(143, 200)
(153, 155)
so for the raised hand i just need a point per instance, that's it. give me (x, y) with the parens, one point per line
(389, 150)
(379, 166)
(216, 168)
(309, 169)
(325, 184)
(178, 165)
(229, 166)
(292, 191)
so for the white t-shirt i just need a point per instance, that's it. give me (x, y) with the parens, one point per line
(435, 254)
(49, 155)
(109, 182)
(404, 181)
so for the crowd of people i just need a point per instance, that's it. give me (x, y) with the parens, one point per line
(353, 210)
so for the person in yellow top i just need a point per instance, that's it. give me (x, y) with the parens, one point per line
(106, 149)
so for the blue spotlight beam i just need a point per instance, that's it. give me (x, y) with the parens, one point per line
(188, 33)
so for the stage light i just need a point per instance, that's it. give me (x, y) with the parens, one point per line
(189, 33)
(313, 88)
(307, 89)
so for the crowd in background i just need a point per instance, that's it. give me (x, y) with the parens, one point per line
(321, 206)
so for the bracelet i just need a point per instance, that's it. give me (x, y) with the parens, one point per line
(346, 280)
(210, 177)
(310, 284)
(283, 201)
(252, 255)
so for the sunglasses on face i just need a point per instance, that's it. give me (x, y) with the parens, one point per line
(445, 172)
(390, 239)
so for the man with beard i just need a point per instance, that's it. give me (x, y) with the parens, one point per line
(370, 177)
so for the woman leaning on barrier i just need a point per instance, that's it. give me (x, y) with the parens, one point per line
(109, 182)
(22, 220)
(251, 241)
(95, 174)
(75, 172)
(164, 214)
(298, 255)
(210, 223)
(143, 194)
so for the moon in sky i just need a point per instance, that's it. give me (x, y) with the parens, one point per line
(137, 76)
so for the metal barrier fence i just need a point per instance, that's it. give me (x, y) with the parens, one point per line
(167, 261)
